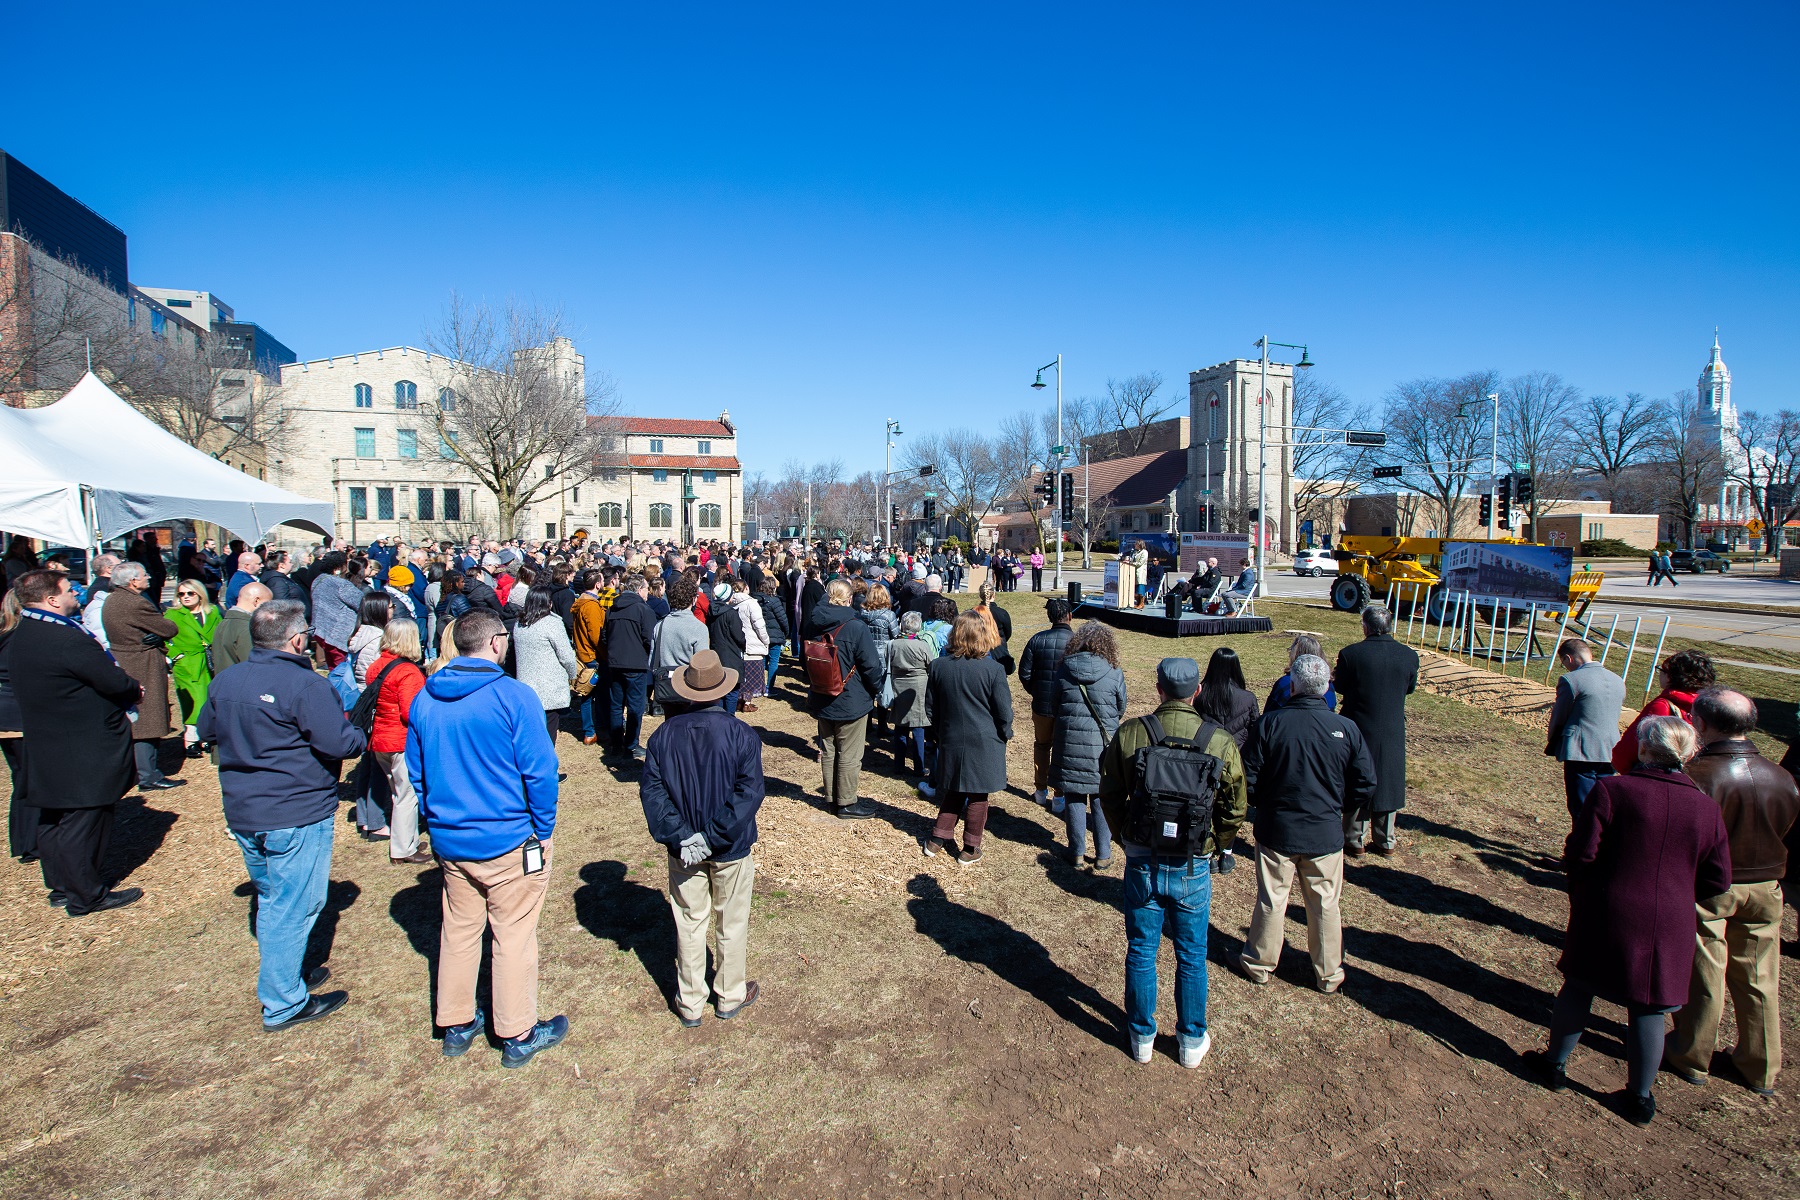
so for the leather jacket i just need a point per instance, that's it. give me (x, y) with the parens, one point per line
(1758, 800)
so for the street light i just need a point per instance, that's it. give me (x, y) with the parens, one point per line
(1493, 464)
(887, 485)
(1058, 450)
(1262, 457)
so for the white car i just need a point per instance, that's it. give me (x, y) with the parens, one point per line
(1315, 563)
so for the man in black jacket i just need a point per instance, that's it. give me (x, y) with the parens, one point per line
(1374, 678)
(281, 737)
(284, 584)
(1306, 766)
(844, 718)
(627, 634)
(1037, 671)
(73, 699)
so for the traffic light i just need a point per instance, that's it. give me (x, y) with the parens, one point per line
(1487, 509)
(1525, 491)
(1068, 498)
(894, 516)
(930, 509)
(1505, 495)
(1046, 489)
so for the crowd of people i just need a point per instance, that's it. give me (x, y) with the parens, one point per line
(448, 672)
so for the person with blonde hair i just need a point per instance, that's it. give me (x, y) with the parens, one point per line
(1646, 847)
(969, 704)
(196, 623)
(397, 677)
(446, 648)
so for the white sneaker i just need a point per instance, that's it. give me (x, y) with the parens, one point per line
(1042, 796)
(1141, 1051)
(1190, 1057)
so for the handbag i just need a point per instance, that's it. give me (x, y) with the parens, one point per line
(586, 679)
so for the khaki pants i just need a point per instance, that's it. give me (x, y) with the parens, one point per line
(1322, 880)
(1739, 948)
(497, 895)
(1042, 730)
(840, 754)
(403, 820)
(697, 895)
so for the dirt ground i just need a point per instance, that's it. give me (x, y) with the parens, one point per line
(925, 1029)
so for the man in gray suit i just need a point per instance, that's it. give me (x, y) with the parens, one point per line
(1584, 723)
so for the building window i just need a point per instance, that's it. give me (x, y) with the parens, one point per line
(159, 326)
(173, 303)
(609, 476)
(659, 477)
(359, 504)
(384, 504)
(662, 516)
(365, 396)
(711, 516)
(406, 394)
(656, 445)
(425, 501)
(446, 399)
(612, 516)
(703, 448)
(452, 504)
(1596, 531)
(575, 495)
(445, 449)
(1212, 418)
(406, 443)
(365, 443)
(709, 477)
(549, 531)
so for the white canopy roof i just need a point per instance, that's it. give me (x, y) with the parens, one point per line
(137, 473)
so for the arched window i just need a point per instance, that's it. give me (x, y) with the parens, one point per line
(612, 516)
(1212, 417)
(447, 399)
(406, 394)
(365, 396)
(711, 516)
(662, 516)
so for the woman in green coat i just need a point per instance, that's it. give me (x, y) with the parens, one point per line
(196, 621)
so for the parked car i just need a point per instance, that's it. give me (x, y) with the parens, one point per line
(1315, 563)
(1698, 562)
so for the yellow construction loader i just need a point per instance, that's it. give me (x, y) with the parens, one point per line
(1369, 566)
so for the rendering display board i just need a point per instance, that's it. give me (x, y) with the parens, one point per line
(1228, 548)
(1526, 574)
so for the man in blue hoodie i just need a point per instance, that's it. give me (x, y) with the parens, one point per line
(701, 788)
(485, 773)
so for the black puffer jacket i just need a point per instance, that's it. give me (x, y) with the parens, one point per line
(1305, 765)
(774, 618)
(1037, 666)
(1240, 718)
(1079, 741)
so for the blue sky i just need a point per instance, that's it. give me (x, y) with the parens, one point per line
(819, 217)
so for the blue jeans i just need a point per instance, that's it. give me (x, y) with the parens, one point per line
(597, 703)
(290, 869)
(1077, 811)
(774, 662)
(1579, 779)
(627, 691)
(730, 702)
(1176, 893)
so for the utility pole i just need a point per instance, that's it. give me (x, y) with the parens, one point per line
(1058, 452)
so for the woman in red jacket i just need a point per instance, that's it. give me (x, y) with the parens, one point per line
(399, 663)
(1683, 676)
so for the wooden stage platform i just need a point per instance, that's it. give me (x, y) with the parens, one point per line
(1144, 620)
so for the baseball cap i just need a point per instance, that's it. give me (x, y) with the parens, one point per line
(1178, 676)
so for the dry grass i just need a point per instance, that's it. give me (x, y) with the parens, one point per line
(926, 1029)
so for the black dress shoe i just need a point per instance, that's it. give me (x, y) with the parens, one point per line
(1550, 1073)
(1639, 1110)
(110, 901)
(317, 976)
(318, 1006)
(58, 900)
(862, 810)
(162, 785)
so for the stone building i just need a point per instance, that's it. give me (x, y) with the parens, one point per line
(359, 428)
(1224, 425)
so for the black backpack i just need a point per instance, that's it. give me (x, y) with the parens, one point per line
(362, 714)
(1174, 783)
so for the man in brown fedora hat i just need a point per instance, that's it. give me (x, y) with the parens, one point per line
(701, 787)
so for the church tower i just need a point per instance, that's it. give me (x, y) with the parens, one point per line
(1721, 414)
(1715, 390)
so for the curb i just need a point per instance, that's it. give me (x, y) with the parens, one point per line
(1748, 610)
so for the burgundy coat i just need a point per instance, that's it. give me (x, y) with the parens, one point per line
(1645, 847)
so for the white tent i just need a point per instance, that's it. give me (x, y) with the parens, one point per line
(91, 467)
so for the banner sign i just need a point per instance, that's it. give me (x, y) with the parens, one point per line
(1228, 548)
(1109, 588)
(1527, 574)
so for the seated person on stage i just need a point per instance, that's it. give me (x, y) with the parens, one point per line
(1201, 584)
(1244, 588)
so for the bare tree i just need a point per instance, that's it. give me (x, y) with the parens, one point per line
(1692, 462)
(1323, 461)
(1767, 463)
(211, 398)
(971, 480)
(1022, 456)
(53, 313)
(1129, 408)
(515, 407)
(1435, 427)
(1609, 437)
(1534, 430)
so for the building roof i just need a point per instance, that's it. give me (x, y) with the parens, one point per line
(674, 426)
(685, 462)
(1142, 479)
